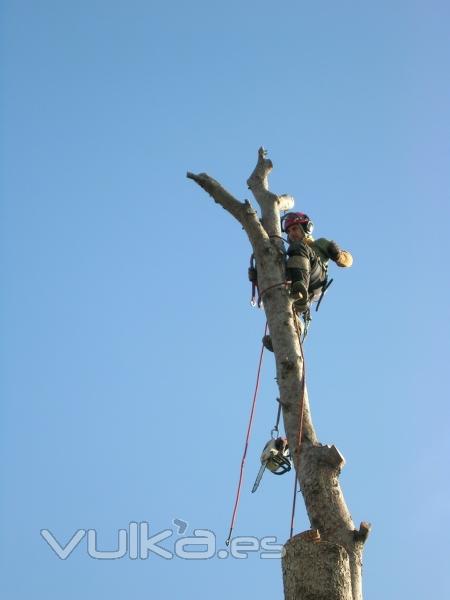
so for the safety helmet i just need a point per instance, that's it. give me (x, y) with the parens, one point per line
(297, 218)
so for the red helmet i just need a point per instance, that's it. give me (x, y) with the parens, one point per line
(297, 218)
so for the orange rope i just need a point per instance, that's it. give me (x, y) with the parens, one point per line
(247, 438)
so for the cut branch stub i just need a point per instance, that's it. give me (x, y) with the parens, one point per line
(269, 202)
(363, 533)
(260, 174)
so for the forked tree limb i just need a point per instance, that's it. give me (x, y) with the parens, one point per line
(242, 211)
(258, 183)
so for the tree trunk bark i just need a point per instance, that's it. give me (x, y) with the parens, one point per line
(316, 570)
(324, 563)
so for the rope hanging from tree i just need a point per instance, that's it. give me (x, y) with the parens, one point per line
(247, 438)
(296, 454)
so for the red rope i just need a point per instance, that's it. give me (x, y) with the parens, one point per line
(261, 294)
(247, 439)
(300, 425)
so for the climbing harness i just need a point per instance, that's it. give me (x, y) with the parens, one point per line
(275, 455)
(315, 295)
(247, 438)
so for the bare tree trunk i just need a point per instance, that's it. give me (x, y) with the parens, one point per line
(324, 563)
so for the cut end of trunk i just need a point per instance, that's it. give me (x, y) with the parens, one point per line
(315, 570)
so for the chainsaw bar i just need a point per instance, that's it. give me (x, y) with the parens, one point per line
(259, 477)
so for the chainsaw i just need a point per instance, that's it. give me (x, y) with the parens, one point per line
(275, 457)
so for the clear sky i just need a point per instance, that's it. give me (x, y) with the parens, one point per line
(128, 345)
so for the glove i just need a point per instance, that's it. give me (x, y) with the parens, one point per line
(342, 258)
(345, 259)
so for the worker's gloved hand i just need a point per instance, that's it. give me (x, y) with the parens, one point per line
(345, 259)
(333, 251)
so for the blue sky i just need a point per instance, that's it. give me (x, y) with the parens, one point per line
(129, 348)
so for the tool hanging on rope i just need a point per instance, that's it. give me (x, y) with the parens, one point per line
(275, 455)
(253, 278)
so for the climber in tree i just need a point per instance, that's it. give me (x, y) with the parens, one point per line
(306, 265)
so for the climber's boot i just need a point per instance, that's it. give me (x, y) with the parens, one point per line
(300, 306)
(299, 291)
